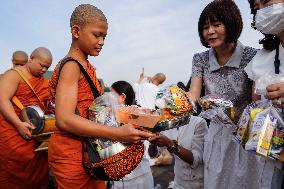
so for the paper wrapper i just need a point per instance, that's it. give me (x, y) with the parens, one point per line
(137, 116)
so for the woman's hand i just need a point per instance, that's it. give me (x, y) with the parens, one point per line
(161, 141)
(24, 130)
(128, 133)
(275, 92)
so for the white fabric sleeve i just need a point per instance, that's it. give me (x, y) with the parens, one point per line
(249, 71)
(197, 143)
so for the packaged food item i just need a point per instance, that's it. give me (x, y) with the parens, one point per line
(242, 131)
(260, 134)
(214, 102)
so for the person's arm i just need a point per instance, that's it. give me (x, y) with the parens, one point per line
(196, 78)
(141, 77)
(8, 86)
(194, 155)
(195, 88)
(66, 119)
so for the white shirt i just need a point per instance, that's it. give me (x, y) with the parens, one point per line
(263, 63)
(190, 136)
(145, 93)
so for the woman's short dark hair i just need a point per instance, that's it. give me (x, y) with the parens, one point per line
(124, 87)
(269, 42)
(225, 11)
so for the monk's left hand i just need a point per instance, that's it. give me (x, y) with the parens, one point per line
(275, 92)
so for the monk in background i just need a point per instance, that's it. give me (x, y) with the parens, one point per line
(20, 166)
(19, 58)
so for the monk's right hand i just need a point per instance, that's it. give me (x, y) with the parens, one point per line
(24, 130)
(128, 133)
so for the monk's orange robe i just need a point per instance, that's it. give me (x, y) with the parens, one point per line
(65, 149)
(20, 166)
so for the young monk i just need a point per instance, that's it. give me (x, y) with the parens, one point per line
(19, 58)
(20, 166)
(73, 96)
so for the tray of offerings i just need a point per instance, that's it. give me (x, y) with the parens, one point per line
(175, 107)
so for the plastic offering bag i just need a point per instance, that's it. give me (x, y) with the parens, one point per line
(102, 111)
(261, 130)
(267, 79)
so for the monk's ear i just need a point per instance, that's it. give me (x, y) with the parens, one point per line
(31, 58)
(75, 30)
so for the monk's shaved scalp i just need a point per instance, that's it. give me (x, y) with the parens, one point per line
(160, 77)
(20, 54)
(42, 52)
(85, 14)
(20, 58)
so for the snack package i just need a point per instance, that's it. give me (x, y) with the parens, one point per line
(218, 109)
(214, 102)
(249, 113)
(260, 134)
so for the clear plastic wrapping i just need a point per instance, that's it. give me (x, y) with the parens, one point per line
(261, 129)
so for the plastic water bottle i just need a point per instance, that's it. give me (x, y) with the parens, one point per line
(158, 186)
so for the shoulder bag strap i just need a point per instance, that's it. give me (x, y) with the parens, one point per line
(277, 61)
(18, 103)
(86, 75)
(27, 82)
(15, 99)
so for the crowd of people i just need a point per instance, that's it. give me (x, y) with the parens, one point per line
(205, 154)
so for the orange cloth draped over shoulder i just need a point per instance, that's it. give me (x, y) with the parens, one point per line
(20, 166)
(65, 149)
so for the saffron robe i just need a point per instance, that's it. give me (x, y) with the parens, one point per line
(20, 166)
(65, 149)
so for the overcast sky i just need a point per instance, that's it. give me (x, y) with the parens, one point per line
(159, 35)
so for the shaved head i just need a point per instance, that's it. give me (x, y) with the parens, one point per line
(39, 62)
(159, 78)
(19, 58)
(85, 14)
(43, 53)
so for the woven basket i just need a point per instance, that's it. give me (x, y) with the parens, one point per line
(114, 167)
